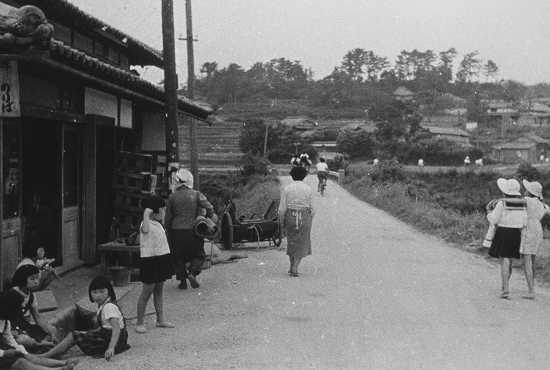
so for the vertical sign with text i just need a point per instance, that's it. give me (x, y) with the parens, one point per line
(9, 90)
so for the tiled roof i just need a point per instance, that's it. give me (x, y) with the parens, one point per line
(139, 53)
(447, 131)
(108, 72)
(515, 145)
(534, 138)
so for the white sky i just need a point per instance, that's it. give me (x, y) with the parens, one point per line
(513, 33)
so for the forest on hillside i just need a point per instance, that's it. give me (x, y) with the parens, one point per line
(366, 80)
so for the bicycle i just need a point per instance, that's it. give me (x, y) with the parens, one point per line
(322, 183)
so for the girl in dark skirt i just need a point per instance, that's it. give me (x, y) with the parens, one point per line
(38, 335)
(14, 355)
(106, 334)
(155, 261)
(509, 217)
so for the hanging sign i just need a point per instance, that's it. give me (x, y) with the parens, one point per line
(9, 90)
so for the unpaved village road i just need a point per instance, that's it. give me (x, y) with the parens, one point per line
(375, 294)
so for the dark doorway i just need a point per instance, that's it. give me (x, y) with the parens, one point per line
(104, 185)
(42, 188)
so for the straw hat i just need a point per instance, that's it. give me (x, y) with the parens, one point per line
(509, 186)
(534, 188)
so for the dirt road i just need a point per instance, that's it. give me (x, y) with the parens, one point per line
(375, 294)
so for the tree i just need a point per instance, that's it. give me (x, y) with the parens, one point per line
(469, 67)
(374, 65)
(209, 68)
(353, 63)
(490, 69)
(356, 143)
(446, 59)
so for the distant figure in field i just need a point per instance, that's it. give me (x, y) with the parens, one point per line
(375, 161)
(467, 160)
(541, 158)
(479, 162)
(420, 162)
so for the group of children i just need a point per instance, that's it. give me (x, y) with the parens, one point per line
(102, 333)
(515, 229)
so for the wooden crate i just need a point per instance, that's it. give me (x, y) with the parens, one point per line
(134, 162)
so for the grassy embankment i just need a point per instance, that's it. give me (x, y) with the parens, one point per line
(448, 204)
(252, 195)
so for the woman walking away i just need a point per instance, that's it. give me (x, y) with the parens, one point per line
(106, 334)
(531, 238)
(184, 205)
(15, 356)
(509, 217)
(296, 213)
(155, 261)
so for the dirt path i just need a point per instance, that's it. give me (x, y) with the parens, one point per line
(375, 294)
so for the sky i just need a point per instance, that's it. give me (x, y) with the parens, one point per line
(318, 33)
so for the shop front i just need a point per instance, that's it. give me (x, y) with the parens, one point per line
(64, 117)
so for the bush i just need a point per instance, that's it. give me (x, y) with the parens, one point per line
(387, 171)
(527, 172)
(337, 163)
(254, 165)
(357, 143)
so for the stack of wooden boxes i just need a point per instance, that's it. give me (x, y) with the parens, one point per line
(133, 181)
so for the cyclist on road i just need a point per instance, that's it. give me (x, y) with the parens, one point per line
(322, 173)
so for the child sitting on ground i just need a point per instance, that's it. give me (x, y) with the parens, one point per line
(106, 334)
(14, 355)
(35, 336)
(47, 272)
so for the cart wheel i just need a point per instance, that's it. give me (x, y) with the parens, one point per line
(227, 231)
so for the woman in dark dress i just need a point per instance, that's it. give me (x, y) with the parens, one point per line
(182, 209)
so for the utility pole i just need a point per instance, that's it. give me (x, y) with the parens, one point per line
(170, 81)
(194, 155)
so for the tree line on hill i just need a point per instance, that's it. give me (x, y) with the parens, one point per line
(366, 80)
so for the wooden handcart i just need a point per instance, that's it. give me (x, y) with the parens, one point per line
(251, 229)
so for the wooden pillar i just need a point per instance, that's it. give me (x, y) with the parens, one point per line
(170, 81)
(89, 201)
(2, 272)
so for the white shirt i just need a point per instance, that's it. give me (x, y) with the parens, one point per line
(322, 167)
(296, 195)
(506, 216)
(154, 242)
(110, 311)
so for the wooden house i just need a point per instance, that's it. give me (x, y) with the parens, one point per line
(70, 103)
(453, 134)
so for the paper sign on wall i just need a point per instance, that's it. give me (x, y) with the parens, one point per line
(9, 90)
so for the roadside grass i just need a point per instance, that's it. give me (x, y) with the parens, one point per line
(428, 216)
(251, 194)
(255, 197)
(450, 206)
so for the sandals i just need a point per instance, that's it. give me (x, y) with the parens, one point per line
(165, 324)
(505, 295)
(530, 296)
(141, 329)
(194, 283)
